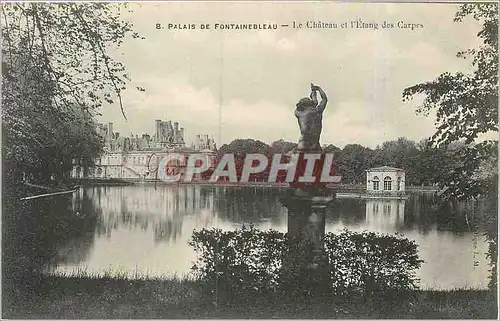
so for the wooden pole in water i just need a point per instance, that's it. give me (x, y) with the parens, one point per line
(46, 195)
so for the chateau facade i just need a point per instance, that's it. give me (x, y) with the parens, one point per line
(137, 158)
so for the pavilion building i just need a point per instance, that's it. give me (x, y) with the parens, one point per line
(385, 180)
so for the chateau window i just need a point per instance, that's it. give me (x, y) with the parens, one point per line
(375, 183)
(387, 183)
(399, 183)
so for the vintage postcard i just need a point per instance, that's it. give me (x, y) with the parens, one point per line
(249, 160)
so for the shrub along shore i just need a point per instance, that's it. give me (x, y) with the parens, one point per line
(239, 274)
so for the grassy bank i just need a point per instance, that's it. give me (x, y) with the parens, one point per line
(108, 297)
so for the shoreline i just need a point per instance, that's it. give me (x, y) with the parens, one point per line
(335, 186)
(138, 276)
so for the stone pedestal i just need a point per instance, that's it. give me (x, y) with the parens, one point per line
(306, 217)
(305, 264)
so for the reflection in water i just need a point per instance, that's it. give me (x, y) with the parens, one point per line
(163, 211)
(385, 214)
(250, 205)
(45, 232)
(146, 231)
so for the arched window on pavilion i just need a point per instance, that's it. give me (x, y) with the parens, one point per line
(376, 183)
(387, 183)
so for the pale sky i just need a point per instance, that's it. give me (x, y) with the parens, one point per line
(245, 83)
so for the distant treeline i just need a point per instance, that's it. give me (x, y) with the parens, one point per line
(424, 164)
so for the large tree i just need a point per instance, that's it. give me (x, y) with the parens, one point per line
(466, 105)
(56, 74)
(352, 163)
(70, 41)
(400, 153)
(282, 146)
(241, 147)
(431, 164)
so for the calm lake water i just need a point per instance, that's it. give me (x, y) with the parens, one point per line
(140, 230)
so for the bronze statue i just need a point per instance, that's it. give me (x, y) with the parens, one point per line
(310, 116)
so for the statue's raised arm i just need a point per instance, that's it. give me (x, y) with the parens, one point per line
(324, 100)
